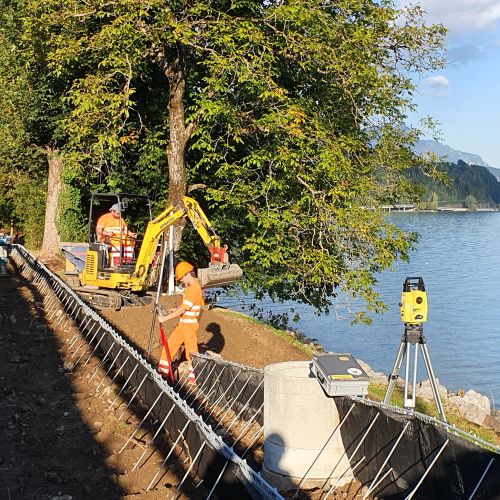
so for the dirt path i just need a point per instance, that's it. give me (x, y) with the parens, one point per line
(60, 431)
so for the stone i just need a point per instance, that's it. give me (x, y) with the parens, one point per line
(42, 402)
(375, 377)
(474, 406)
(492, 421)
(68, 366)
(424, 390)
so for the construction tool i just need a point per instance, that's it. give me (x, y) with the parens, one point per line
(160, 310)
(413, 313)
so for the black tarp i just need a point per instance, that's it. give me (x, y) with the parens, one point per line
(455, 474)
(233, 384)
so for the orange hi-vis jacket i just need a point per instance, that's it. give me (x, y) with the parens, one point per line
(186, 332)
(112, 225)
(192, 301)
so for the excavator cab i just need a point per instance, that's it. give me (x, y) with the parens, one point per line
(117, 253)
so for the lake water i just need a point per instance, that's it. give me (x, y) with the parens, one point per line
(458, 257)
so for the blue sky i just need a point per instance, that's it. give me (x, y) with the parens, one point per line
(464, 97)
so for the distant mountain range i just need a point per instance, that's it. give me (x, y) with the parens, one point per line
(453, 155)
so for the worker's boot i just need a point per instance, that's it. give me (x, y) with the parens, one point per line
(163, 369)
(191, 376)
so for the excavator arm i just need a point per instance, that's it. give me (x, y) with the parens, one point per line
(219, 272)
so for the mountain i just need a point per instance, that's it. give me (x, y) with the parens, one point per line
(464, 181)
(453, 155)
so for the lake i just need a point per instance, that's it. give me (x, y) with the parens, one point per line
(458, 257)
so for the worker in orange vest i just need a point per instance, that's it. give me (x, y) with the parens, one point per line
(108, 231)
(189, 310)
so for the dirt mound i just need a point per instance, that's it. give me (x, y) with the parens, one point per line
(227, 333)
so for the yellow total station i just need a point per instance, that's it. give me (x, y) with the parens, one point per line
(413, 305)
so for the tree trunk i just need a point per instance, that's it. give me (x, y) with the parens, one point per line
(50, 244)
(179, 136)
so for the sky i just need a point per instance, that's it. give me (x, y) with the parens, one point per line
(464, 97)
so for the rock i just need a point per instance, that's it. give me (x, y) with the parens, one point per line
(473, 406)
(212, 354)
(42, 402)
(53, 477)
(493, 421)
(68, 366)
(15, 359)
(376, 377)
(424, 390)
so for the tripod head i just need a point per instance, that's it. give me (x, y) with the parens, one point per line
(413, 305)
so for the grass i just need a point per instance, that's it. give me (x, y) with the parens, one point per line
(376, 392)
(310, 351)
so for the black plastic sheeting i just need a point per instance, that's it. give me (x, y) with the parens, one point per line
(455, 474)
(238, 480)
(232, 383)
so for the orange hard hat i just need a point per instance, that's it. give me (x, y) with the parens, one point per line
(182, 268)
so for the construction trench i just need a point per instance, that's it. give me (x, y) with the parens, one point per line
(217, 431)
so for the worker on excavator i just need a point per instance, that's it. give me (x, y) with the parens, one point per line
(109, 232)
(186, 331)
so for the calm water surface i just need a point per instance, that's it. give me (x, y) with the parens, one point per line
(459, 259)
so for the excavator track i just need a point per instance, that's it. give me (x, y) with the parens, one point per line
(101, 299)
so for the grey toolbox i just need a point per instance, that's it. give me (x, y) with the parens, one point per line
(340, 374)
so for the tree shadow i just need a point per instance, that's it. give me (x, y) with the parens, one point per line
(47, 447)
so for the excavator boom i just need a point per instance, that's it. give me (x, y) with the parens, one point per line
(219, 272)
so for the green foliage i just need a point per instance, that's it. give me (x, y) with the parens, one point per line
(471, 202)
(431, 203)
(288, 115)
(72, 221)
(29, 210)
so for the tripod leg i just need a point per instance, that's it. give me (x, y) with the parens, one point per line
(409, 401)
(432, 379)
(393, 377)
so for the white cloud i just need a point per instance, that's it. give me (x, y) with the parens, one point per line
(436, 85)
(461, 16)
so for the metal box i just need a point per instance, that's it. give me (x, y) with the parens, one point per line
(340, 374)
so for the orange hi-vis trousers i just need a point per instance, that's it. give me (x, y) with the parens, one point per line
(183, 333)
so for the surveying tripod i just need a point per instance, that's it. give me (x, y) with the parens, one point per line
(413, 335)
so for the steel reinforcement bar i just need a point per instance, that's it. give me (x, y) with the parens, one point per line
(212, 459)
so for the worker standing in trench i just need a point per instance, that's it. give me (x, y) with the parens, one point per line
(186, 332)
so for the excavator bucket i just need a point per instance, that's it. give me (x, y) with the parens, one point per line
(219, 275)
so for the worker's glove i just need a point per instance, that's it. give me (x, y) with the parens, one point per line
(160, 310)
(106, 239)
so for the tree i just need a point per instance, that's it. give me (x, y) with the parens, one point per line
(289, 114)
(471, 202)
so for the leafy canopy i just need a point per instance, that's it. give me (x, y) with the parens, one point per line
(292, 113)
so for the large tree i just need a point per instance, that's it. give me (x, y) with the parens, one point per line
(288, 114)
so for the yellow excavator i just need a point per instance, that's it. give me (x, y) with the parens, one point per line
(129, 279)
